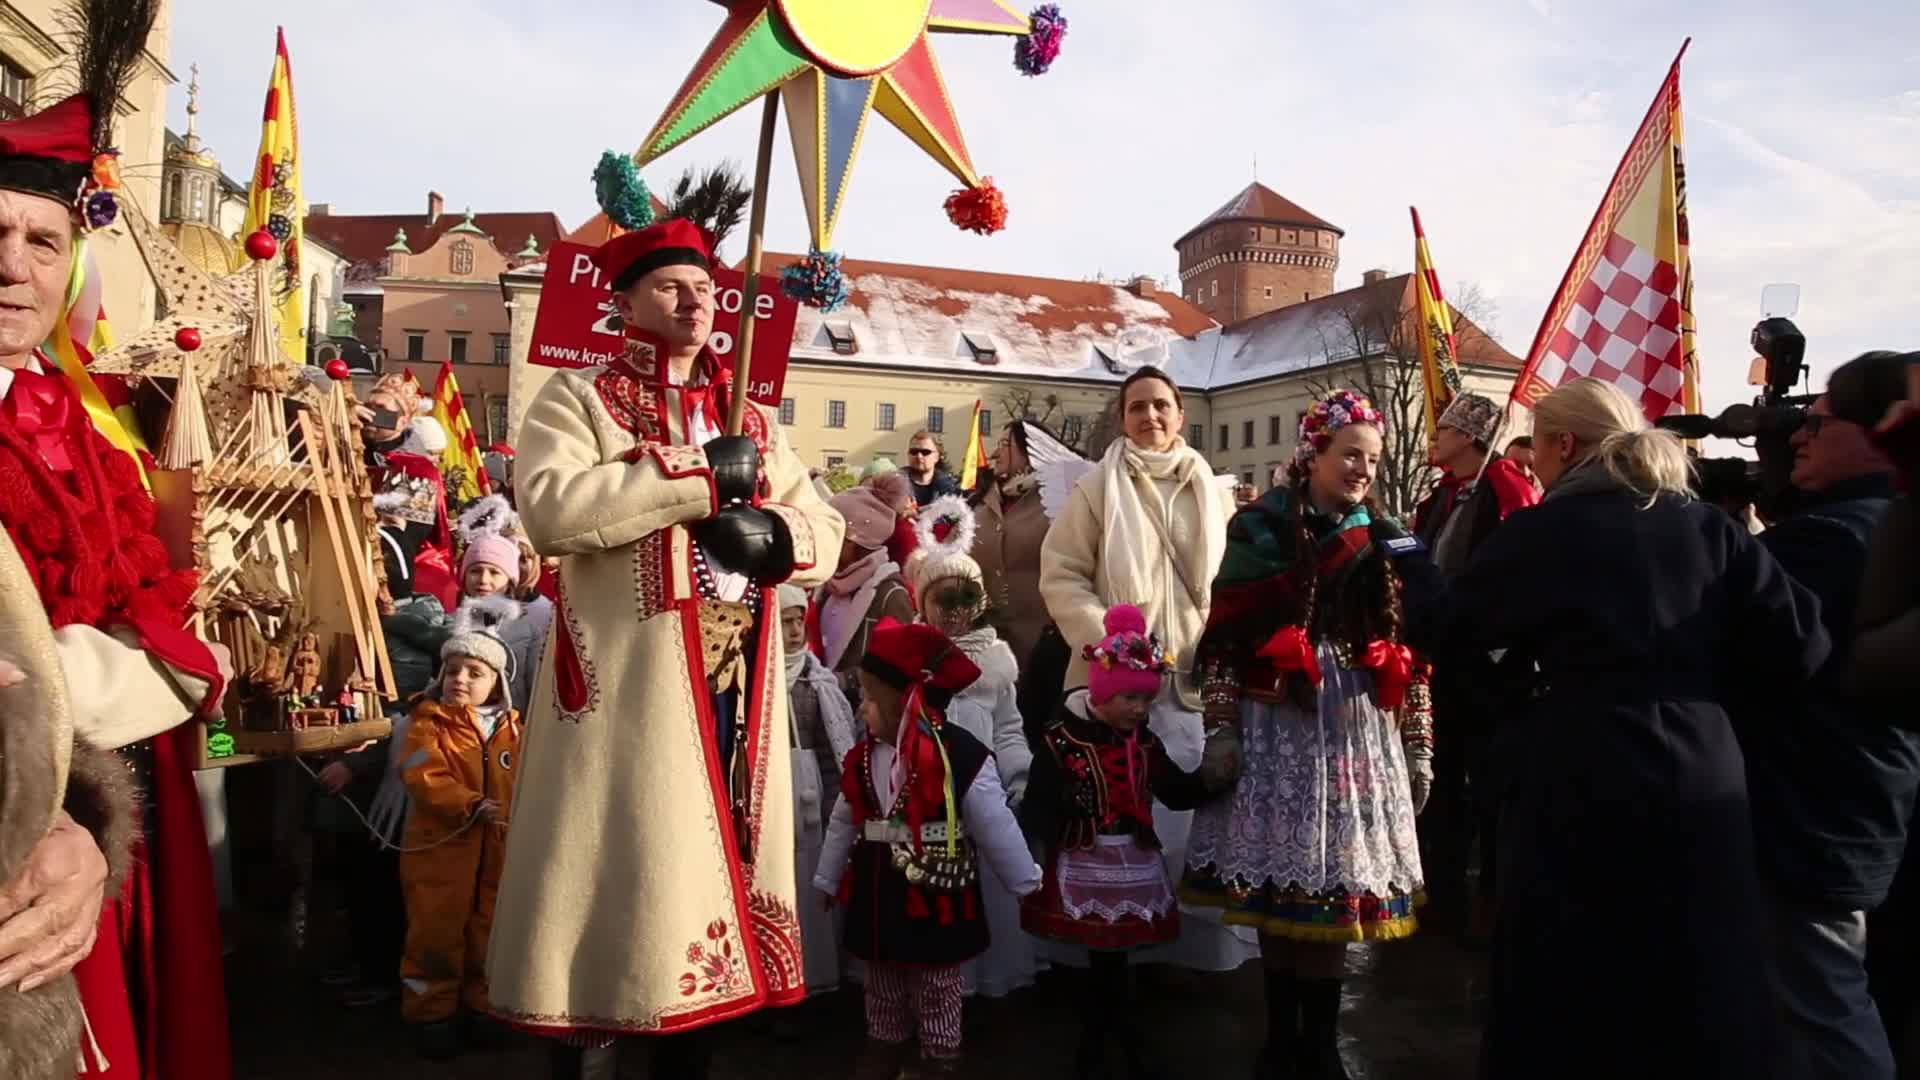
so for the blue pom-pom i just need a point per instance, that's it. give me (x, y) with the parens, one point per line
(622, 194)
(1036, 52)
(816, 281)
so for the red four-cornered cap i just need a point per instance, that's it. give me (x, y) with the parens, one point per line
(674, 242)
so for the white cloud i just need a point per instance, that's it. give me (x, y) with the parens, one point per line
(1501, 121)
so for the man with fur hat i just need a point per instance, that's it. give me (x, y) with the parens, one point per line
(75, 505)
(1475, 494)
(868, 586)
(661, 703)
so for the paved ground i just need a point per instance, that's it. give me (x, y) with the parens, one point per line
(1408, 1017)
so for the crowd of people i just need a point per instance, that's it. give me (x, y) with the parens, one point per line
(683, 736)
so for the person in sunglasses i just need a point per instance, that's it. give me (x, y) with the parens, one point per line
(925, 470)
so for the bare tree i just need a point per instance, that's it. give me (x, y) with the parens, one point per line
(1078, 430)
(1369, 344)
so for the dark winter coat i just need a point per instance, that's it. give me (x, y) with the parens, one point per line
(1628, 929)
(1834, 779)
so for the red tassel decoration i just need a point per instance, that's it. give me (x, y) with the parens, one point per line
(980, 209)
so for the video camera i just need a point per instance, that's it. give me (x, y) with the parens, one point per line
(1776, 414)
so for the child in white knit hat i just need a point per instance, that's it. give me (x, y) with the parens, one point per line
(951, 594)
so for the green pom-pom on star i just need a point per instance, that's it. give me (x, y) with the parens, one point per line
(623, 195)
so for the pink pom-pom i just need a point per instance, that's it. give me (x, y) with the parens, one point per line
(1125, 619)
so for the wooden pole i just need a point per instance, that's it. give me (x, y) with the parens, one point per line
(750, 293)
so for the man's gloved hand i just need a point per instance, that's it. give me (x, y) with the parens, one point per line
(748, 541)
(1420, 780)
(735, 464)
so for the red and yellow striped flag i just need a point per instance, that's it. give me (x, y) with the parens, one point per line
(274, 203)
(1624, 312)
(976, 453)
(463, 449)
(1439, 367)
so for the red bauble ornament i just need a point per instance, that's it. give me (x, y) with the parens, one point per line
(337, 369)
(261, 245)
(186, 339)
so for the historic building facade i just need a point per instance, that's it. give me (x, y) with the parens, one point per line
(202, 210)
(425, 288)
(916, 346)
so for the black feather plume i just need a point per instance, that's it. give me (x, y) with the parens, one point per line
(107, 36)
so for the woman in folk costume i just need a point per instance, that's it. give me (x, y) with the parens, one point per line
(649, 878)
(953, 600)
(53, 783)
(1303, 652)
(920, 805)
(868, 586)
(1147, 527)
(80, 516)
(823, 732)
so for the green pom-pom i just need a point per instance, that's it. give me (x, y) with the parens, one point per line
(220, 746)
(623, 195)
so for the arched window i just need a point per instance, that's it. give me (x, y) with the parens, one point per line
(462, 258)
(173, 197)
(197, 209)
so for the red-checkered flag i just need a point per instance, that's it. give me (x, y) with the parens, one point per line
(1624, 310)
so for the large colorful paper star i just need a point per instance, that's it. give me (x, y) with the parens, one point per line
(834, 62)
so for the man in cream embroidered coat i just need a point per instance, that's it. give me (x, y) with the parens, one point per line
(649, 881)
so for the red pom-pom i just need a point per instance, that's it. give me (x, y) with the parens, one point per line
(87, 580)
(51, 575)
(120, 472)
(980, 209)
(16, 492)
(186, 339)
(1125, 619)
(43, 533)
(338, 370)
(176, 589)
(123, 576)
(74, 611)
(261, 245)
(136, 511)
(148, 555)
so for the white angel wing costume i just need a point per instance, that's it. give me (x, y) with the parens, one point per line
(1056, 469)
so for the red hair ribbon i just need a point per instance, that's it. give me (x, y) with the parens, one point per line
(1392, 666)
(1290, 650)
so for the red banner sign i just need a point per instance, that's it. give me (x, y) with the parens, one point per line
(577, 326)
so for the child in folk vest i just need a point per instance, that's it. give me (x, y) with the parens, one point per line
(918, 798)
(1089, 804)
(462, 745)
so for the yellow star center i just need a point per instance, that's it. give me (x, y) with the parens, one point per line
(856, 37)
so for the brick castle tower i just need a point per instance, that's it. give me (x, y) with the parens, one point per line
(1258, 252)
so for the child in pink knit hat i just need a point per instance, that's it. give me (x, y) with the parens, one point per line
(1089, 803)
(491, 566)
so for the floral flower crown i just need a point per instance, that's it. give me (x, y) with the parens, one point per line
(1327, 416)
(1133, 652)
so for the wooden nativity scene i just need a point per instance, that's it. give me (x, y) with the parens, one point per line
(264, 489)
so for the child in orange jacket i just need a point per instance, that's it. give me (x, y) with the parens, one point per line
(462, 745)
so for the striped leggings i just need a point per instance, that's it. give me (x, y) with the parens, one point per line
(902, 999)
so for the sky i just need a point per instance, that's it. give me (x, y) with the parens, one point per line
(1502, 120)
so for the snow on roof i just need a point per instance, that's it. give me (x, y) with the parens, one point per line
(968, 322)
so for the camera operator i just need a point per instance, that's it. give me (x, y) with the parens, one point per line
(1882, 676)
(1832, 782)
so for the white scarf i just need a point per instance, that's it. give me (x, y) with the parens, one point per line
(849, 595)
(1133, 560)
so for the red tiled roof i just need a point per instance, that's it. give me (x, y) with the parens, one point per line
(1065, 305)
(1258, 202)
(366, 237)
